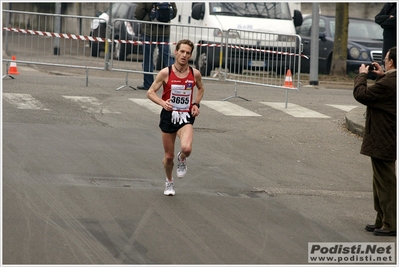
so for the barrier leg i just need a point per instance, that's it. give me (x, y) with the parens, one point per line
(286, 98)
(235, 94)
(7, 72)
(126, 84)
(87, 77)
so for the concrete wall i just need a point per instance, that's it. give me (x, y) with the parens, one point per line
(80, 9)
(356, 10)
(46, 23)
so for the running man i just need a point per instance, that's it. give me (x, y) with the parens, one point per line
(179, 109)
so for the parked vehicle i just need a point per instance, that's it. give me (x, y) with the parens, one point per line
(123, 30)
(364, 43)
(267, 17)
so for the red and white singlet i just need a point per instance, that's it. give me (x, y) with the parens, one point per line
(180, 90)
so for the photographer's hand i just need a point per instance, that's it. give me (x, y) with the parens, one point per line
(364, 69)
(378, 69)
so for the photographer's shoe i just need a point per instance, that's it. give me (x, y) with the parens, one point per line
(384, 232)
(141, 87)
(371, 227)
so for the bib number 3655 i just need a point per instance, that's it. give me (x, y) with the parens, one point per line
(180, 100)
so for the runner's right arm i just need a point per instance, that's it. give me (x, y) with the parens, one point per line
(161, 79)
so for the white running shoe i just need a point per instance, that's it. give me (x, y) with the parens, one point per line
(181, 167)
(169, 189)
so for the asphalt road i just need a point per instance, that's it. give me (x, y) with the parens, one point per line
(83, 180)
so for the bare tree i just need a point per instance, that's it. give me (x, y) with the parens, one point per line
(340, 50)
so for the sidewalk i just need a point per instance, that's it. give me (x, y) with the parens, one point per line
(355, 120)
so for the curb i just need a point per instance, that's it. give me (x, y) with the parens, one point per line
(355, 120)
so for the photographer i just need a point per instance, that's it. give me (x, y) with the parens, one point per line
(379, 140)
(155, 32)
(386, 18)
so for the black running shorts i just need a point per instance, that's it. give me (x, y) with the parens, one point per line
(166, 124)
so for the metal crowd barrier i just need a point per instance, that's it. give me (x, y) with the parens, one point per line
(130, 48)
(32, 38)
(236, 55)
(262, 58)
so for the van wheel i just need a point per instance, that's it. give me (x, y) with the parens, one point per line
(119, 51)
(94, 49)
(204, 61)
(202, 64)
(157, 59)
(328, 65)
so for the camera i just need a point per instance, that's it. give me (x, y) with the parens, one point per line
(371, 67)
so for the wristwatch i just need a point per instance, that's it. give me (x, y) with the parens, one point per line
(196, 104)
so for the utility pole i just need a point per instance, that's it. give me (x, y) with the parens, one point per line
(314, 46)
(57, 28)
(8, 24)
(109, 29)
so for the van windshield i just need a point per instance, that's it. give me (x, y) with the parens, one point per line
(259, 9)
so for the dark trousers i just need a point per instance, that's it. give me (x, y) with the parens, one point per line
(384, 191)
(148, 61)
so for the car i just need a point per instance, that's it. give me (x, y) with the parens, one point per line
(123, 30)
(364, 43)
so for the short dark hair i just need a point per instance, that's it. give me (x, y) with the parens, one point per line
(392, 55)
(187, 42)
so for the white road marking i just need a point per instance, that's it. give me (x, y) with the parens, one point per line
(346, 108)
(92, 104)
(228, 108)
(146, 103)
(23, 101)
(295, 110)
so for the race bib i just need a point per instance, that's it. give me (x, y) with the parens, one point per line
(180, 97)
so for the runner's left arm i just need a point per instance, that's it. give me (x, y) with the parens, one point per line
(200, 92)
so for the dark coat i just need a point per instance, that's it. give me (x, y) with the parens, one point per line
(379, 140)
(142, 12)
(388, 24)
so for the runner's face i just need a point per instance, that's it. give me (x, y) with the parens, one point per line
(184, 54)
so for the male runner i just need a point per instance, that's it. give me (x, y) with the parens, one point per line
(179, 109)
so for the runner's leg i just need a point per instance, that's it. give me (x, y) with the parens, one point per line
(186, 134)
(168, 140)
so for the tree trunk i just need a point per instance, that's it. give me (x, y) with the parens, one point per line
(340, 50)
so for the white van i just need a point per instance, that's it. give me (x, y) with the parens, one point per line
(270, 17)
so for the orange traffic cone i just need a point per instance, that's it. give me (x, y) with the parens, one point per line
(13, 66)
(288, 79)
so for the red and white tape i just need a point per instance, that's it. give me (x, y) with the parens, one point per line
(58, 35)
(99, 39)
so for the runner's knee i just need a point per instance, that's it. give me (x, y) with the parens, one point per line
(186, 150)
(168, 158)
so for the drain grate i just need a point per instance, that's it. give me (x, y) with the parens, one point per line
(249, 194)
(114, 181)
(208, 130)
